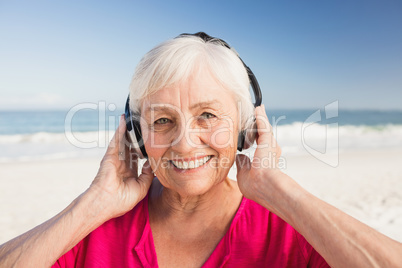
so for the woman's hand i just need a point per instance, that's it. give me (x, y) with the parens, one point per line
(251, 176)
(117, 183)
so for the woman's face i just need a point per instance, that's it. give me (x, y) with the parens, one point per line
(190, 133)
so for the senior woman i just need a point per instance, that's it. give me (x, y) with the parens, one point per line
(191, 96)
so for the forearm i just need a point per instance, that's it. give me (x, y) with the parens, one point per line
(342, 240)
(43, 245)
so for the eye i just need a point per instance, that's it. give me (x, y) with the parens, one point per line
(207, 115)
(162, 121)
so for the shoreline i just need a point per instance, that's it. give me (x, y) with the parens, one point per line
(367, 184)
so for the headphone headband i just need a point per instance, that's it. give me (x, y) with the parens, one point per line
(253, 81)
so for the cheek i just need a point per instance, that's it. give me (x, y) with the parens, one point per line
(225, 160)
(155, 150)
(223, 136)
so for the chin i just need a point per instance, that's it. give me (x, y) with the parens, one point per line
(194, 187)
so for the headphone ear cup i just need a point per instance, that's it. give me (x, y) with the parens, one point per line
(240, 140)
(139, 146)
(135, 137)
(250, 136)
(247, 137)
(133, 132)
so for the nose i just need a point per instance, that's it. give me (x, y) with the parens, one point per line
(188, 137)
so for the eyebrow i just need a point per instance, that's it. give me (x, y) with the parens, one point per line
(203, 104)
(150, 109)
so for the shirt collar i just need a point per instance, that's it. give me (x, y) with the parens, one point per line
(145, 247)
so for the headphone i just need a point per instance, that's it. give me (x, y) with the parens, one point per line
(246, 137)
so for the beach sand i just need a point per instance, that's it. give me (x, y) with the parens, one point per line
(366, 184)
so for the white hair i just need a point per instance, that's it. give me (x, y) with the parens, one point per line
(176, 59)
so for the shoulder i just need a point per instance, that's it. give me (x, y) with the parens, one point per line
(120, 228)
(261, 224)
(112, 239)
(265, 238)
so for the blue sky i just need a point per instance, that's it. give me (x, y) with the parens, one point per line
(305, 54)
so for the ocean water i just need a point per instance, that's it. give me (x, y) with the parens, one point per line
(31, 135)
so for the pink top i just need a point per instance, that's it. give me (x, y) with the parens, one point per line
(256, 238)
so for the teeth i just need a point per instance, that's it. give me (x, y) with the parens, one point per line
(192, 164)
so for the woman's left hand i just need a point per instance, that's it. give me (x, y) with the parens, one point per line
(253, 177)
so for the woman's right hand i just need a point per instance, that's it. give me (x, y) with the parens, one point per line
(117, 184)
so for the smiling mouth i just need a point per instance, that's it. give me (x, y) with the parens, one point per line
(191, 164)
